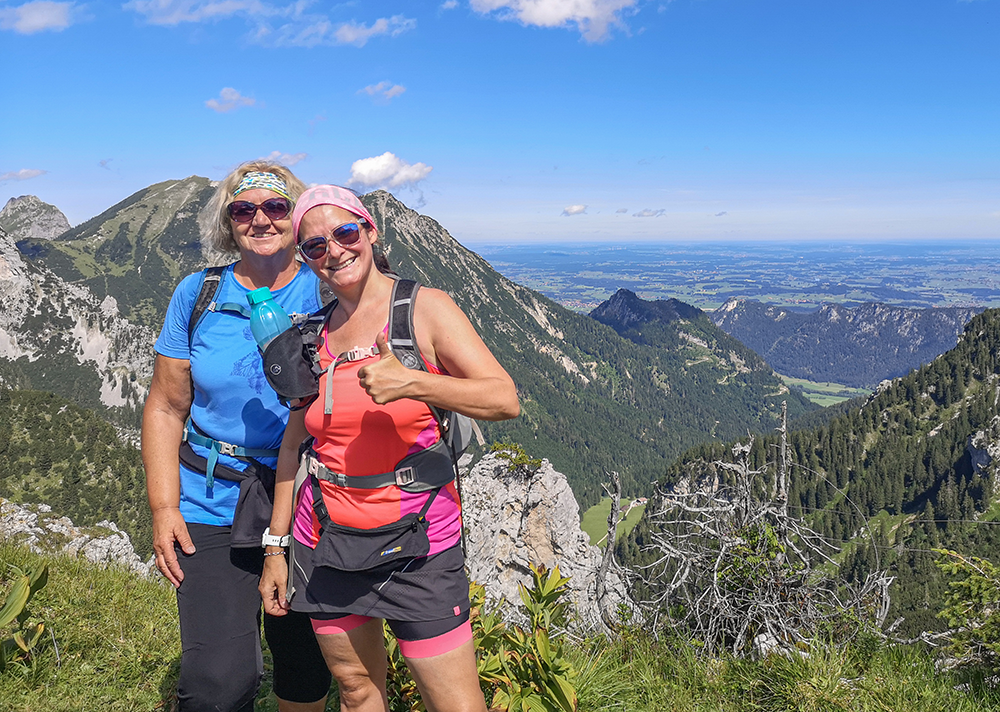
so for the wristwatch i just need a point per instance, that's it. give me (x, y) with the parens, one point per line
(270, 539)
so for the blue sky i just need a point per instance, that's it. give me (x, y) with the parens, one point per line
(518, 120)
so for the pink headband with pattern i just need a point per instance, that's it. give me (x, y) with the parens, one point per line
(328, 195)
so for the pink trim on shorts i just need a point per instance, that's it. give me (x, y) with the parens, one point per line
(338, 625)
(438, 645)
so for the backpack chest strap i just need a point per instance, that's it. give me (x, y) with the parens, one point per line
(407, 476)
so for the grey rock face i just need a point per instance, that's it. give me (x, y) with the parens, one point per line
(515, 518)
(44, 532)
(45, 317)
(984, 451)
(27, 216)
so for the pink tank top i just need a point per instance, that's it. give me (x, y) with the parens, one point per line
(363, 438)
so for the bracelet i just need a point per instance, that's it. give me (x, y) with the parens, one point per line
(274, 553)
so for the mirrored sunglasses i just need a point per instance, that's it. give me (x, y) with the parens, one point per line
(345, 235)
(243, 211)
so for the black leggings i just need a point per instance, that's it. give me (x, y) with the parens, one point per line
(220, 614)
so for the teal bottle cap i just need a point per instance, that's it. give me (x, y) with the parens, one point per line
(259, 295)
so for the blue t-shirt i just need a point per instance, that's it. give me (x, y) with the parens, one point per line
(232, 400)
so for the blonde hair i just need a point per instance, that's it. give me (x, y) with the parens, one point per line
(217, 241)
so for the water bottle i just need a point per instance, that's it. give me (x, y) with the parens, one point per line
(267, 318)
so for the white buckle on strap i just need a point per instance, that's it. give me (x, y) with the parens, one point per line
(405, 476)
(358, 353)
(227, 448)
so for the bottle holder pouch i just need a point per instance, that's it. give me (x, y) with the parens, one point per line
(288, 367)
(350, 549)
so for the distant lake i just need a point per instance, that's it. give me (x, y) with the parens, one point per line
(796, 275)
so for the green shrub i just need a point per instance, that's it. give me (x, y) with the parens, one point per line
(520, 669)
(971, 608)
(516, 455)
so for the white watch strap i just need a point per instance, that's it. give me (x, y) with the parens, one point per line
(270, 539)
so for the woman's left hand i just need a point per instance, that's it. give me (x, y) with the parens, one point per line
(385, 380)
(273, 582)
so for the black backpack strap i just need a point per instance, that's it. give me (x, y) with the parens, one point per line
(211, 281)
(323, 514)
(403, 342)
(324, 293)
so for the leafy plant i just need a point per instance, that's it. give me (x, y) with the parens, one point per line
(526, 669)
(520, 669)
(20, 647)
(972, 607)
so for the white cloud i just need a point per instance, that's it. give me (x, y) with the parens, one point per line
(23, 174)
(388, 170)
(449, 5)
(387, 90)
(38, 16)
(358, 34)
(574, 210)
(647, 213)
(313, 30)
(174, 12)
(592, 17)
(622, 210)
(302, 28)
(229, 100)
(286, 159)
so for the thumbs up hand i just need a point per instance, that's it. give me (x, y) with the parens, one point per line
(384, 380)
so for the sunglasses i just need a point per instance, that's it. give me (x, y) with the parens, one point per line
(243, 211)
(345, 235)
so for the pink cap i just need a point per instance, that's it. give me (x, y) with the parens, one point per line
(328, 195)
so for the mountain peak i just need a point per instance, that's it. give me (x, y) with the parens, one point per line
(28, 216)
(625, 307)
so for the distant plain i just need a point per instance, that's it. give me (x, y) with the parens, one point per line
(795, 275)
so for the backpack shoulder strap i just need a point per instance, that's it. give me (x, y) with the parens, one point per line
(324, 293)
(211, 282)
(403, 342)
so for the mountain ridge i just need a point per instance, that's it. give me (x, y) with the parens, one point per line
(592, 401)
(855, 346)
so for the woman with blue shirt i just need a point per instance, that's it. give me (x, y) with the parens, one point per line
(210, 436)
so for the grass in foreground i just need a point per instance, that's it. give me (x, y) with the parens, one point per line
(119, 648)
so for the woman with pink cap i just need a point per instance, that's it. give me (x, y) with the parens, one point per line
(381, 412)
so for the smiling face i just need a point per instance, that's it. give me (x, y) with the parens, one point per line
(262, 235)
(341, 266)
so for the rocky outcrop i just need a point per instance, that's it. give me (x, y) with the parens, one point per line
(27, 216)
(516, 517)
(983, 447)
(36, 527)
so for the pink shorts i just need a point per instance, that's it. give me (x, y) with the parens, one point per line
(417, 639)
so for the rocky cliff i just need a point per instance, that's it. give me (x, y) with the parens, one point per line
(60, 337)
(857, 347)
(44, 532)
(27, 216)
(518, 516)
